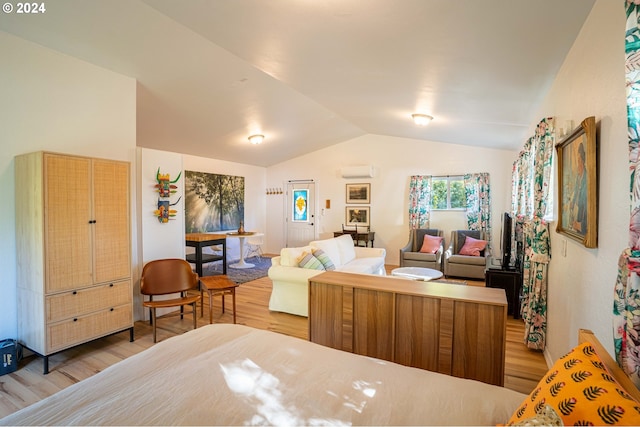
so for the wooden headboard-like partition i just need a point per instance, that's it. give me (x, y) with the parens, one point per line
(585, 335)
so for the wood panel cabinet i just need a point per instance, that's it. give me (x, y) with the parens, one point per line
(453, 329)
(511, 282)
(73, 250)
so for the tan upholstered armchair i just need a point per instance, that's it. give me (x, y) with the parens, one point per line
(465, 265)
(410, 255)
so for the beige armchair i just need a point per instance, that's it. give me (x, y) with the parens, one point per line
(465, 265)
(410, 255)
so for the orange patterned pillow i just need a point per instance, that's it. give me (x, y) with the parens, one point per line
(581, 390)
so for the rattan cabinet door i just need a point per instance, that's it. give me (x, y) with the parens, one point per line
(111, 214)
(67, 198)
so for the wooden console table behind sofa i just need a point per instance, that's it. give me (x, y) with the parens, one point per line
(453, 329)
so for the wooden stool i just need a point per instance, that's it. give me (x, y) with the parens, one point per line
(214, 285)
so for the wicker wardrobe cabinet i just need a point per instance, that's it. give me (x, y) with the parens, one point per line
(73, 250)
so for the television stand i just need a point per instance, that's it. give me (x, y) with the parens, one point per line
(511, 281)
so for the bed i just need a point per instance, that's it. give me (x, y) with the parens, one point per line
(224, 374)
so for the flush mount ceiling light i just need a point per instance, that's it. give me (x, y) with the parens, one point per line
(256, 139)
(421, 119)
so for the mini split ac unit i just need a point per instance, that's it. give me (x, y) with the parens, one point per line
(357, 171)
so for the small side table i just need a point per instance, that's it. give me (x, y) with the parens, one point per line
(511, 282)
(217, 285)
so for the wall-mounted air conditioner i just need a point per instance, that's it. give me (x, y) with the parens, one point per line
(357, 171)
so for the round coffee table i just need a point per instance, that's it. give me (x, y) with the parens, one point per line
(417, 273)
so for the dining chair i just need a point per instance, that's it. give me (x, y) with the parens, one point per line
(166, 277)
(254, 245)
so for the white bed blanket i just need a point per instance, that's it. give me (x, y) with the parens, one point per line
(225, 374)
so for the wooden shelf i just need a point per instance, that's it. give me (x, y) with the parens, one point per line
(205, 258)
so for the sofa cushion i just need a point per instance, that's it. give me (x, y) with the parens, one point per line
(420, 256)
(363, 266)
(467, 260)
(430, 244)
(307, 260)
(324, 259)
(330, 247)
(472, 246)
(289, 256)
(346, 247)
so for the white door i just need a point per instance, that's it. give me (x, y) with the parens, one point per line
(300, 213)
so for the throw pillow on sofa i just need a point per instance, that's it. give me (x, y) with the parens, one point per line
(289, 257)
(324, 259)
(307, 260)
(330, 247)
(472, 246)
(430, 244)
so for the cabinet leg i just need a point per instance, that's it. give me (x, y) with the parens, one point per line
(131, 334)
(45, 363)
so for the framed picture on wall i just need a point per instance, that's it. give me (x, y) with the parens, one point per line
(577, 184)
(357, 215)
(359, 193)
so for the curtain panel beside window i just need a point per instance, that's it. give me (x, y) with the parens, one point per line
(626, 295)
(478, 193)
(531, 181)
(419, 201)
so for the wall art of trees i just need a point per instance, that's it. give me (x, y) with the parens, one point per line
(213, 202)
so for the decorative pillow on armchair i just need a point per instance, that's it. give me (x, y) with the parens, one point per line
(472, 246)
(431, 244)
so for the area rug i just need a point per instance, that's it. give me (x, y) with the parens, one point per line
(241, 275)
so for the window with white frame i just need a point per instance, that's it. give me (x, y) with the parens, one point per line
(447, 193)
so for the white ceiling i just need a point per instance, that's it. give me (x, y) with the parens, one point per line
(312, 73)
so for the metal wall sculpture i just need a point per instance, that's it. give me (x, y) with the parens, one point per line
(166, 188)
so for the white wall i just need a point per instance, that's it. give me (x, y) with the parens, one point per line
(394, 160)
(157, 240)
(50, 101)
(592, 82)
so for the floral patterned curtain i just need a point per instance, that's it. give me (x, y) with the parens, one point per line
(419, 201)
(530, 183)
(478, 193)
(522, 183)
(626, 306)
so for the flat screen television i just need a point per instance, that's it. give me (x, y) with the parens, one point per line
(507, 238)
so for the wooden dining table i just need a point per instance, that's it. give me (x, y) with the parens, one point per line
(201, 240)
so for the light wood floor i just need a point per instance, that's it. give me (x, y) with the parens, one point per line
(524, 368)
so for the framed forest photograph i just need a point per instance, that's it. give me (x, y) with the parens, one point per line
(577, 184)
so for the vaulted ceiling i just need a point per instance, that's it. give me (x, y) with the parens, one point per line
(311, 73)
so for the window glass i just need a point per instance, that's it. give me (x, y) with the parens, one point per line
(438, 193)
(447, 192)
(458, 199)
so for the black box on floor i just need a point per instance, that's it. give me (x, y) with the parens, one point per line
(9, 353)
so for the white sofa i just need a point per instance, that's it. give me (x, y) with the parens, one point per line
(290, 292)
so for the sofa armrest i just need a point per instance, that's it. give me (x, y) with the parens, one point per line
(408, 247)
(362, 252)
(292, 274)
(439, 254)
